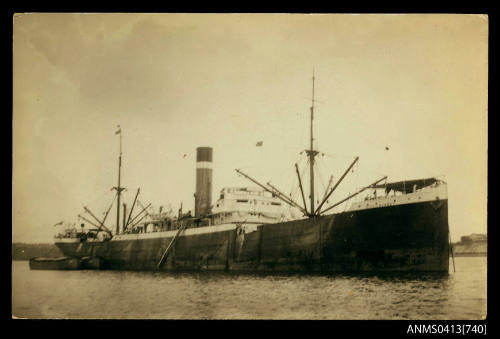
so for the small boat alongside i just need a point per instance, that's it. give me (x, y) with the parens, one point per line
(61, 263)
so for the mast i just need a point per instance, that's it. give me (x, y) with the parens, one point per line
(119, 188)
(312, 153)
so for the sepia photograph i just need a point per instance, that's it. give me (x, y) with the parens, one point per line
(257, 166)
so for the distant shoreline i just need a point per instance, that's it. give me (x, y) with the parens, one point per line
(25, 251)
(482, 254)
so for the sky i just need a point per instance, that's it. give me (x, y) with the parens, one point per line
(416, 84)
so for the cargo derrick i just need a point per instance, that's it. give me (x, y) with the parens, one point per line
(311, 153)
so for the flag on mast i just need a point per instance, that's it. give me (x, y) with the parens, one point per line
(119, 130)
(259, 143)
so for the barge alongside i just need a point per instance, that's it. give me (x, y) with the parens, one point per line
(61, 263)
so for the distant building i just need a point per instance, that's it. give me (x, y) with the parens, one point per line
(473, 238)
(471, 245)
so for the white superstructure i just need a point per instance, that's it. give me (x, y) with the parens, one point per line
(248, 205)
(381, 197)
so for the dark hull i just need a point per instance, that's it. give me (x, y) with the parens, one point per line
(411, 237)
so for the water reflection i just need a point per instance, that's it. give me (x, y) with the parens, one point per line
(229, 295)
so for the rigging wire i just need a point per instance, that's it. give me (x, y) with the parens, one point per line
(286, 175)
(338, 155)
(325, 165)
(322, 182)
(111, 205)
(356, 181)
(304, 170)
(99, 198)
(322, 163)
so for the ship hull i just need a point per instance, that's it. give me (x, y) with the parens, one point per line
(409, 237)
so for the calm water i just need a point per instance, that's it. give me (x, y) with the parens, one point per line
(208, 295)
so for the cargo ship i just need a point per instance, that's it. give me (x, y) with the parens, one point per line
(398, 226)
